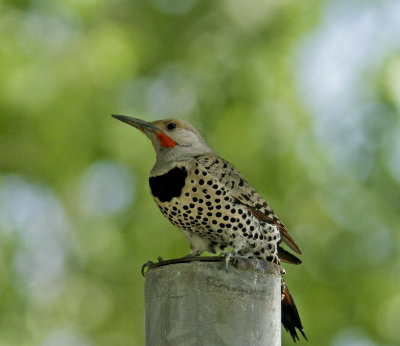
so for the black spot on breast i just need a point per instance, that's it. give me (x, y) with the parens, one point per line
(169, 185)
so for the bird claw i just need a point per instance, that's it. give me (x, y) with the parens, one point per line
(148, 264)
(233, 257)
(229, 257)
(146, 267)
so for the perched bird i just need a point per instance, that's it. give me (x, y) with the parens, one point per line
(212, 204)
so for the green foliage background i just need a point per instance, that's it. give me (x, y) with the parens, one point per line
(302, 96)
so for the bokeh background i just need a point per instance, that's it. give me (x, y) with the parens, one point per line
(302, 96)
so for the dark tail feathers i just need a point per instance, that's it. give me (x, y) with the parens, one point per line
(290, 315)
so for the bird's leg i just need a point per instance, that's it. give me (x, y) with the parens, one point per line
(232, 256)
(228, 257)
(148, 264)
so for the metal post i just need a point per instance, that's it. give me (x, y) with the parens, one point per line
(201, 303)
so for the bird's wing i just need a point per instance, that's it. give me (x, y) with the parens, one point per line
(246, 195)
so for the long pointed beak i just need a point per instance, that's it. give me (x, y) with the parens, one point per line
(135, 122)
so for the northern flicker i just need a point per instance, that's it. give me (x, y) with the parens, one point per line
(213, 205)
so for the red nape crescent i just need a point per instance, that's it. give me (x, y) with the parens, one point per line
(165, 141)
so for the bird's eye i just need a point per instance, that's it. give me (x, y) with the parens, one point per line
(171, 126)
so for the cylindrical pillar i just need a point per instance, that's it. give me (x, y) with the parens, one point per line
(201, 303)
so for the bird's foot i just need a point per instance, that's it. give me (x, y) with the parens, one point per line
(231, 257)
(149, 264)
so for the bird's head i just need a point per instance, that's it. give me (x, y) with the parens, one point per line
(173, 140)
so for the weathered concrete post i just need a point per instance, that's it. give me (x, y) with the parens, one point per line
(200, 303)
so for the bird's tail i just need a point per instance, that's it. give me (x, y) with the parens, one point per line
(290, 315)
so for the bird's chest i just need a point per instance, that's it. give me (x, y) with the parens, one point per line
(199, 203)
(186, 196)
